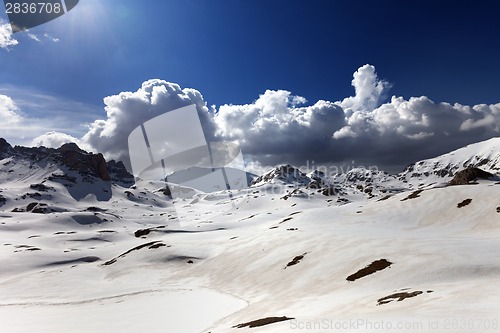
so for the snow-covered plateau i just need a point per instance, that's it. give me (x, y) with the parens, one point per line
(84, 249)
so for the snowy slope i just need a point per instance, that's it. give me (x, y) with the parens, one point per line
(120, 261)
(484, 155)
(366, 183)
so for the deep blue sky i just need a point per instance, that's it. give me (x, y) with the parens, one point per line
(233, 50)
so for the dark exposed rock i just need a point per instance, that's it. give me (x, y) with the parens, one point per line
(464, 203)
(285, 173)
(468, 175)
(295, 260)
(38, 208)
(262, 322)
(142, 232)
(71, 156)
(329, 191)
(399, 296)
(30, 206)
(5, 148)
(95, 209)
(84, 163)
(375, 266)
(150, 245)
(41, 187)
(166, 191)
(413, 195)
(119, 173)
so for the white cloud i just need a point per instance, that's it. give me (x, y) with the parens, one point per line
(419, 118)
(483, 116)
(6, 39)
(26, 114)
(34, 37)
(369, 90)
(53, 140)
(276, 128)
(52, 39)
(128, 110)
(39, 39)
(9, 112)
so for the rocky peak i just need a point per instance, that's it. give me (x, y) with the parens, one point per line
(85, 163)
(5, 147)
(69, 155)
(119, 173)
(284, 173)
(71, 146)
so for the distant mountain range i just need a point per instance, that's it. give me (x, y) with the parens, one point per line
(83, 244)
(71, 166)
(428, 173)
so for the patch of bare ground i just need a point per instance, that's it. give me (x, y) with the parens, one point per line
(295, 260)
(151, 245)
(142, 232)
(249, 217)
(384, 198)
(464, 203)
(401, 296)
(375, 266)
(287, 219)
(414, 195)
(262, 322)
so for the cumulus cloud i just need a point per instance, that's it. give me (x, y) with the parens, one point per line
(6, 39)
(276, 128)
(369, 90)
(409, 130)
(280, 127)
(128, 110)
(9, 112)
(54, 139)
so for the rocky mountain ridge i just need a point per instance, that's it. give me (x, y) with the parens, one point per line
(70, 155)
(458, 167)
(464, 165)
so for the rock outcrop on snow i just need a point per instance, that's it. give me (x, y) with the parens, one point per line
(71, 156)
(469, 175)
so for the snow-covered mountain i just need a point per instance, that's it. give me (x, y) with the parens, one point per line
(82, 250)
(484, 155)
(361, 182)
